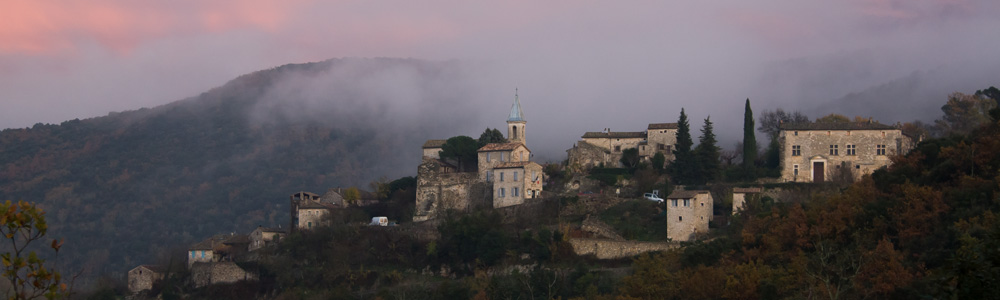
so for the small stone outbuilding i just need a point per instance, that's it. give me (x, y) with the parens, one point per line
(688, 214)
(143, 277)
(265, 236)
(740, 196)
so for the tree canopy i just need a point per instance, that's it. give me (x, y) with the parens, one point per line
(833, 118)
(685, 164)
(749, 143)
(707, 153)
(770, 121)
(463, 149)
(963, 113)
(491, 136)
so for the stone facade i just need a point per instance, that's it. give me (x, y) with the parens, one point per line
(141, 278)
(606, 147)
(265, 236)
(513, 182)
(613, 249)
(432, 148)
(688, 214)
(740, 196)
(818, 152)
(440, 188)
(494, 154)
(204, 274)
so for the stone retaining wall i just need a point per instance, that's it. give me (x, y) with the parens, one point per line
(611, 249)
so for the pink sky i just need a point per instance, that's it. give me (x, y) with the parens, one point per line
(112, 55)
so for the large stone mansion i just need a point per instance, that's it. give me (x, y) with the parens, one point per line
(818, 152)
(505, 174)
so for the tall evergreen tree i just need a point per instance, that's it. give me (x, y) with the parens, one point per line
(749, 143)
(707, 153)
(684, 165)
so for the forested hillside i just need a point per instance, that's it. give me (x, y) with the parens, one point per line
(127, 187)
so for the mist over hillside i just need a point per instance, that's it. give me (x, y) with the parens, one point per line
(124, 188)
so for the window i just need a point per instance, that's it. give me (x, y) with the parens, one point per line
(202, 253)
(516, 192)
(883, 134)
(796, 150)
(669, 148)
(310, 225)
(703, 204)
(680, 219)
(503, 157)
(795, 170)
(501, 192)
(501, 176)
(515, 178)
(489, 175)
(852, 149)
(487, 156)
(687, 202)
(880, 149)
(796, 133)
(673, 202)
(618, 148)
(534, 176)
(834, 150)
(661, 146)
(192, 254)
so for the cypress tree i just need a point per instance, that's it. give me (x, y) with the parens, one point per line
(749, 144)
(681, 170)
(707, 153)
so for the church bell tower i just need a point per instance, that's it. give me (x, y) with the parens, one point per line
(516, 122)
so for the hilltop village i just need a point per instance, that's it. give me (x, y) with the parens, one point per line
(589, 184)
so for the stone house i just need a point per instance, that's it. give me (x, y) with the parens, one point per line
(818, 152)
(740, 196)
(606, 147)
(308, 211)
(141, 278)
(688, 214)
(219, 247)
(432, 148)
(441, 187)
(513, 182)
(265, 237)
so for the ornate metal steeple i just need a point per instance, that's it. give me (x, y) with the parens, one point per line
(516, 115)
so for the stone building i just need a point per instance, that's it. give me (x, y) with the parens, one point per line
(740, 196)
(818, 152)
(141, 278)
(432, 148)
(688, 214)
(219, 247)
(265, 236)
(441, 187)
(309, 211)
(606, 147)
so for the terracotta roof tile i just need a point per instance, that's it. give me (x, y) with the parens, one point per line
(614, 135)
(662, 126)
(434, 143)
(836, 126)
(513, 164)
(501, 147)
(685, 194)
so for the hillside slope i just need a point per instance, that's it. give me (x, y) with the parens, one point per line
(124, 188)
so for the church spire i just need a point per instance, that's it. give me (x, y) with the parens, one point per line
(516, 115)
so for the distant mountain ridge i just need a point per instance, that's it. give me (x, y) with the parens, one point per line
(124, 188)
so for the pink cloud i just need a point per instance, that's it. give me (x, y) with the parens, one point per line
(48, 27)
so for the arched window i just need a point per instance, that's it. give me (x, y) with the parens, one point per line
(680, 218)
(513, 134)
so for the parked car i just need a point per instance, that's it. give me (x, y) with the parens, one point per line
(652, 197)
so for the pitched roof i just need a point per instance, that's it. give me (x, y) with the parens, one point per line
(271, 229)
(516, 115)
(685, 194)
(154, 268)
(237, 239)
(662, 126)
(513, 164)
(747, 190)
(501, 147)
(209, 243)
(835, 126)
(315, 205)
(434, 143)
(615, 135)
